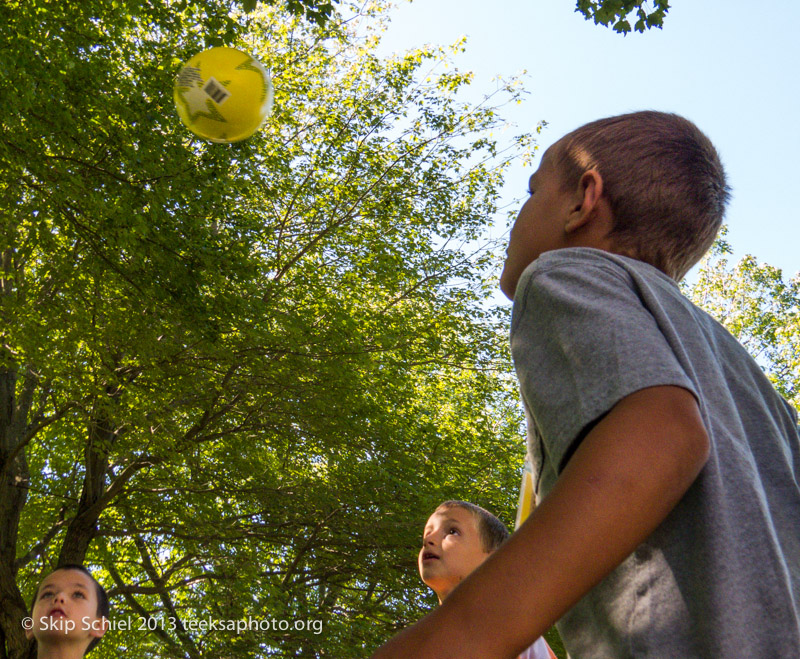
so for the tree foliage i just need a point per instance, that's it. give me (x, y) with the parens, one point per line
(616, 13)
(235, 379)
(759, 308)
(317, 11)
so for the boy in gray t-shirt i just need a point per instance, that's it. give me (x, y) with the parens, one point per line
(666, 464)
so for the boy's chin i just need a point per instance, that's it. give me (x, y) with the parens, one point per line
(435, 579)
(429, 575)
(51, 638)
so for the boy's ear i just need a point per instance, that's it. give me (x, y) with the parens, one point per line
(588, 197)
(97, 631)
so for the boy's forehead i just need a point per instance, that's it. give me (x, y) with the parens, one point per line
(67, 577)
(551, 152)
(547, 159)
(453, 514)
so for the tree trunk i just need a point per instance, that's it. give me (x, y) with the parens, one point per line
(14, 482)
(83, 527)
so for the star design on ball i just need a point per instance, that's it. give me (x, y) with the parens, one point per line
(198, 104)
(195, 100)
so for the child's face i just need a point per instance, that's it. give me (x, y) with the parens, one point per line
(540, 224)
(451, 549)
(65, 609)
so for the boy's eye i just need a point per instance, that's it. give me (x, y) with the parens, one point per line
(453, 530)
(79, 593)
(46, 593)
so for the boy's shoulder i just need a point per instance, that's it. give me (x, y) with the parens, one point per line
(589, 274)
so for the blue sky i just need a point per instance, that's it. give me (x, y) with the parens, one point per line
(728, 65)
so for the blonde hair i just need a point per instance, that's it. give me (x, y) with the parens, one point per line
(664, 181)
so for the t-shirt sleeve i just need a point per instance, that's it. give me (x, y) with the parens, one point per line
(583, 340)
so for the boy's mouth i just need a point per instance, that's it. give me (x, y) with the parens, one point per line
(429, 555)
(57, 612)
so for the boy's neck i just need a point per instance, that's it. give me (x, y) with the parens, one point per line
(60, 651)
(443, 594)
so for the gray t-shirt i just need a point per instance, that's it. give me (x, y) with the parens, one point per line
(720, 577)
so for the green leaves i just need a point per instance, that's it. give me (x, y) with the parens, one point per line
(316, 11)
(760, 309)
(244, 374)
(616, 12)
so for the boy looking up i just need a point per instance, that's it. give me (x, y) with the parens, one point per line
(457, 538)
(69, 611)
(665, 464)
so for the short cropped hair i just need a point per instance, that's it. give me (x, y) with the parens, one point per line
(492, 531)
(663, 179)
(103, 607)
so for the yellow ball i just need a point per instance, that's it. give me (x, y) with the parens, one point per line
(223, 95)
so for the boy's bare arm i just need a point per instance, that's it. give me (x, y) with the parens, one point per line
(623, 480)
